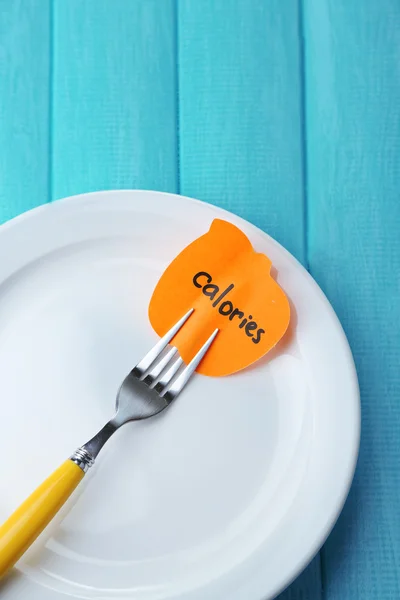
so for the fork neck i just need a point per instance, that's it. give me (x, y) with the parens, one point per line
(93, 446)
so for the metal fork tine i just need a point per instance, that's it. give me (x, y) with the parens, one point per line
(180, 382)
(159, 366)
(154, 353)
(168, 376)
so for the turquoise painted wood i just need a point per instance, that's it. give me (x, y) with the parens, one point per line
(25, 57)
(353, 135)
(286, 112)
(113, 96)
(240, 109)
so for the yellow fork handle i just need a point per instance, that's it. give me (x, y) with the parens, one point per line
(28, 521)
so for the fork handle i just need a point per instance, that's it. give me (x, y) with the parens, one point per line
(28, 521)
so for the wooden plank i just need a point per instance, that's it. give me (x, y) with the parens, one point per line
(240, 111)
(353, 118)
(240, 122)
(114, 96)
(24, 102)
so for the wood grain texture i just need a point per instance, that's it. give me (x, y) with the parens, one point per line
(114, 96)
(240, 127)
(24, 102)
(353, 132)
(240, 111)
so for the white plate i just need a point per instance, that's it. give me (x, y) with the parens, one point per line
(225, 496)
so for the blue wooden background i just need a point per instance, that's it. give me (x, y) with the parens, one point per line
(286, 112)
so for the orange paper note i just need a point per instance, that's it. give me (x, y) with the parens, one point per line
(230, 287)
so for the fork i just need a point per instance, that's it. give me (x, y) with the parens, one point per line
(147, 390)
